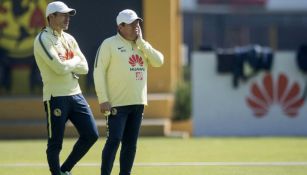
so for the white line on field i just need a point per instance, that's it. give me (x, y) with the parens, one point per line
(157, 164)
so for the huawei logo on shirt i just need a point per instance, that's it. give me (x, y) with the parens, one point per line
(68, 55)
(136, 59)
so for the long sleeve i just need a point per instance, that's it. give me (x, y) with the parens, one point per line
(46, 50)
(154, 57)
(100, 69)
(82, 66)
(120, 71)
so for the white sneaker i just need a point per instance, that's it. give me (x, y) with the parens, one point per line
(65, 173)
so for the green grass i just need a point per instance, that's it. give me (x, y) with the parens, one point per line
(171, 150)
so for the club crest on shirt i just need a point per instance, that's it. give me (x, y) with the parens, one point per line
(113, 111)
(57, 112)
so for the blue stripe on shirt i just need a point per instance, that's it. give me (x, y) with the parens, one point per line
(44, 48)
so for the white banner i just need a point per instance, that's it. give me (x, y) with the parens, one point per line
(267, 104)
(286, 5)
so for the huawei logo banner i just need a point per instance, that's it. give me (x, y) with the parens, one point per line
(267, 104)
(280, 92)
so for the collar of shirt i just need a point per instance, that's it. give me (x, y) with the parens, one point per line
(59, 36)
(124, 40)
(53, 32)
(127, 42)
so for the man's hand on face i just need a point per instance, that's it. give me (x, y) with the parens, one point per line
(140, 35)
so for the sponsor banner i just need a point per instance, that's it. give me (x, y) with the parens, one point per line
(269, 103)
(286, 5)
(234, 2)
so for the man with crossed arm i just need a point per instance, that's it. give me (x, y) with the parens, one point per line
(59, 60)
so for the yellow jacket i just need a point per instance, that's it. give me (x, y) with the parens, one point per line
(120, 70)
(59, 60)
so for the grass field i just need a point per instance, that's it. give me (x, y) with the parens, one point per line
(172, 156)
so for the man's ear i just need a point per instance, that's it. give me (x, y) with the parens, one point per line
(120, 26)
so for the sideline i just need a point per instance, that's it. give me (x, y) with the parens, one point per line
(157, 164)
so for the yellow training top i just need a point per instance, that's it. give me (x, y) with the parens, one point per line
(59, 60)
(120, 70)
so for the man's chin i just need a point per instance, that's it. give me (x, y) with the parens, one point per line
(65, 28)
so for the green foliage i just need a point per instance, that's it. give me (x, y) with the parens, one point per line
(182, 106)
